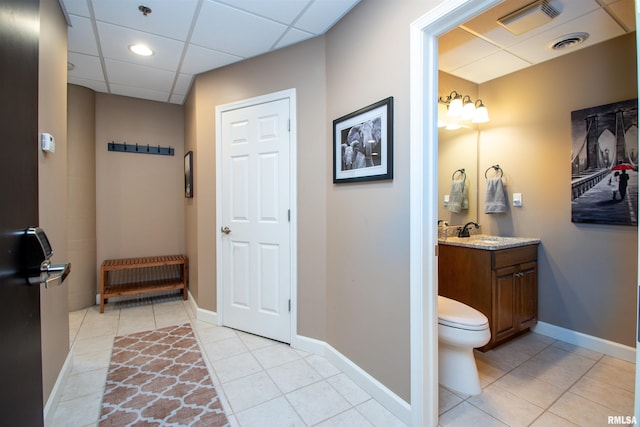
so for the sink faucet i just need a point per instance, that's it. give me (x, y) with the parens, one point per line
(464, 231)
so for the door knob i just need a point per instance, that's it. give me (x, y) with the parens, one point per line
(225, 230)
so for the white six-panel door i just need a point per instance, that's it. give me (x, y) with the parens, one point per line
(255, 227)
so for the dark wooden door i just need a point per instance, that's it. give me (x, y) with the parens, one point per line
(21, 399)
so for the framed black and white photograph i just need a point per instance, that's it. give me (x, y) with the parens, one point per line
(604, 164)
(188, 174)
(363, 144)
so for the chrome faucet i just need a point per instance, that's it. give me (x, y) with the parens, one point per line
(464, 231)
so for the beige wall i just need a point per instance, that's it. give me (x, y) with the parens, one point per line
(301, 67)
(353, 240)
(81, 118)
(52, 183)
(368, 223)
(587, 272)
(139, 197)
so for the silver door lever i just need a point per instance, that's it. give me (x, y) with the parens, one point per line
(225, 230)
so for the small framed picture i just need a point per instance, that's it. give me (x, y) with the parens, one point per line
(363, 144)
(188, 174)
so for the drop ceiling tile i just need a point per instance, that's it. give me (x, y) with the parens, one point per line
(199, 59)
(81, 38)
(134, 75)
(85, 66)
(76, 7)
(138, 92)
(223, 28)
(293, 36)
(165, 20)
(458, 48)
(177, 99)
(98, 86)
(322, 15)
(115, 42)
(183, 84)
(283, 11)
(490, 67)
(486, 26)
(598, 23)
(624, 11)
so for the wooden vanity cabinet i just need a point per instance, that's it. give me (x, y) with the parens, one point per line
(502, 284)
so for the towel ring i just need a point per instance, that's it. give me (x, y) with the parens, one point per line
(497, 168)
(461, 171)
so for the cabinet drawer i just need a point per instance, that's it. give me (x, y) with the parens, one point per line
(512, 256)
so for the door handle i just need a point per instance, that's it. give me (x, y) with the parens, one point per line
(225, 230)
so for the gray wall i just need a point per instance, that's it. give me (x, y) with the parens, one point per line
(588, 273)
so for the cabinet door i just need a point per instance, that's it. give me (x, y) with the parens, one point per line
(527, 294)
(504, 322)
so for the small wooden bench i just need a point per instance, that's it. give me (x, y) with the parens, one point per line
(134, 276)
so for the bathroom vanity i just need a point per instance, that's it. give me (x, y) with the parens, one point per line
(497, 276)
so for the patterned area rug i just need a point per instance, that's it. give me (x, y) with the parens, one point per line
(158, 378)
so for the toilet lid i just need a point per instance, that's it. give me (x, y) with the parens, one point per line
(458, 315)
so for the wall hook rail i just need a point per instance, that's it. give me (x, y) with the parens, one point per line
(142, 149)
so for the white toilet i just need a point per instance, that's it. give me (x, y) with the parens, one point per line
(460, 329)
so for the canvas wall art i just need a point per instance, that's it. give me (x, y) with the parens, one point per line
(604, 164)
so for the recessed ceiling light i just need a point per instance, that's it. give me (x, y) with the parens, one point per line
(140, 49)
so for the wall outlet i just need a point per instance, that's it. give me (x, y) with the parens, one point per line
(517, 199)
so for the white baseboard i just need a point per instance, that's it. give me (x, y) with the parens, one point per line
(56, 391)
(391, 401)
(207, 316)
(590, 342)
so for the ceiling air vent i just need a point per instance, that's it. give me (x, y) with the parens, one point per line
(568, 41)
(527, 18)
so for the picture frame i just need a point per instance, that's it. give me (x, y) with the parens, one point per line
(188, 175)
(363, 144)
(604, 164)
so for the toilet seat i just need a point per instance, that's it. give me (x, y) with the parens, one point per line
(457, 315)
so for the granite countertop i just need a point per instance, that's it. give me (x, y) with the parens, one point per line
(492, 243)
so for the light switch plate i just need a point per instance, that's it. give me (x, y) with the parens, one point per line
(446, 199)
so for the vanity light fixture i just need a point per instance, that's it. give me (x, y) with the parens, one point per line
(457, 110)
(141, 49)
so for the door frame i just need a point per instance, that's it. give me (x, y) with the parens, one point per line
(289, 94)
(423, 199)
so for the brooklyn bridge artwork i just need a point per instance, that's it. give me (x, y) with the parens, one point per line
(604, 164)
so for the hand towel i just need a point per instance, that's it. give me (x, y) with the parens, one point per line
(458, 196)
(496, 199)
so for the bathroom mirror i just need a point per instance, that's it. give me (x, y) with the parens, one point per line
(457, 149)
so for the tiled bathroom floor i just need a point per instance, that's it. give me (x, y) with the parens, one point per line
(531, 381)
(541, 382)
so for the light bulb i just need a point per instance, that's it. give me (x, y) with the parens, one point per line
(481, 115)
(468, 111)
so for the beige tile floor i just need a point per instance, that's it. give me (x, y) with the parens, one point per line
(261, 382)
(541, 382)
(531, 381)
